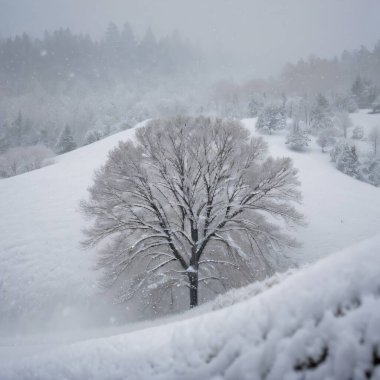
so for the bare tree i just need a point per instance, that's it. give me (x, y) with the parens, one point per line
(191, 202)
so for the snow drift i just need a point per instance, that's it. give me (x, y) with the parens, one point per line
(321, 323)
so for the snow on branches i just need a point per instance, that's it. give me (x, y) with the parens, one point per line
(191, 202)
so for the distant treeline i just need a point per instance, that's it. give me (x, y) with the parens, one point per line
(319, 75)
(61, 59)
(93, 88)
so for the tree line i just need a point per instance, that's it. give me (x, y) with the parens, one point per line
(61, 58)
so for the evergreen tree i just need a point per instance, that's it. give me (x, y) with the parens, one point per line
(66, 141)
(271, 118)
(347, 161)
(148, 49)
(364, 92)
(297, 138)
(255, 105)
(358, 133)
(320, 114)
(371, 171)
(128, 45)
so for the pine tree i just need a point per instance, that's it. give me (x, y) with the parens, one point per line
(371, 171)
(271, 118)
(364, 92)
(297, 138)
(66, 141)
(347, 161)
(320, 114)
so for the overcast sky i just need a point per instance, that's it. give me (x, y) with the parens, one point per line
(266, 33)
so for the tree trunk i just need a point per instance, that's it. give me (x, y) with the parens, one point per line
(193, 280)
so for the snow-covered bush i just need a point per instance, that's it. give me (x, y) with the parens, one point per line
(336, 150)
(235, 296)
(24, 159)
(371, 171)
(271, 118)
(358, 133)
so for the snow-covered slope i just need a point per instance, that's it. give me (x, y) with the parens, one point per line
(45, 275)
(325, 316)
(321, 323)
(340, 210)
(43, 266)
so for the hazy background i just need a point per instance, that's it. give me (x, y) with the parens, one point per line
(62, 90)
(260, 35)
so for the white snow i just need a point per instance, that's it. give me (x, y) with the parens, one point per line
(43, 266)
(275, 327)
(340, 210)
(326, 314)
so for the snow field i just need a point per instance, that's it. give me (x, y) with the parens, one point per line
(322, 316)
(323, 322)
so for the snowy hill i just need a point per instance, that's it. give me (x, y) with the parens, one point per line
(321, 323)
(42, 263)
(45, 275)
(45, 268)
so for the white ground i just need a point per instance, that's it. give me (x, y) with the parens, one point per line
(44, 271)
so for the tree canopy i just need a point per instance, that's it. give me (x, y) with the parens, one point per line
(191, 202)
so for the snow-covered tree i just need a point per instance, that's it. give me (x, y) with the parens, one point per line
(358, 133)
(186, 204)
(364, 92)
(336, 150)
(326, 138)
(346, 159)
(271, 118)
(371, 171)
(297, 138)
(321, 114)
(66, 141)
(376, 106)
(255, 105)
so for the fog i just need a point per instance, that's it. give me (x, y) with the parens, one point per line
(139, 137)
(258, 35)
